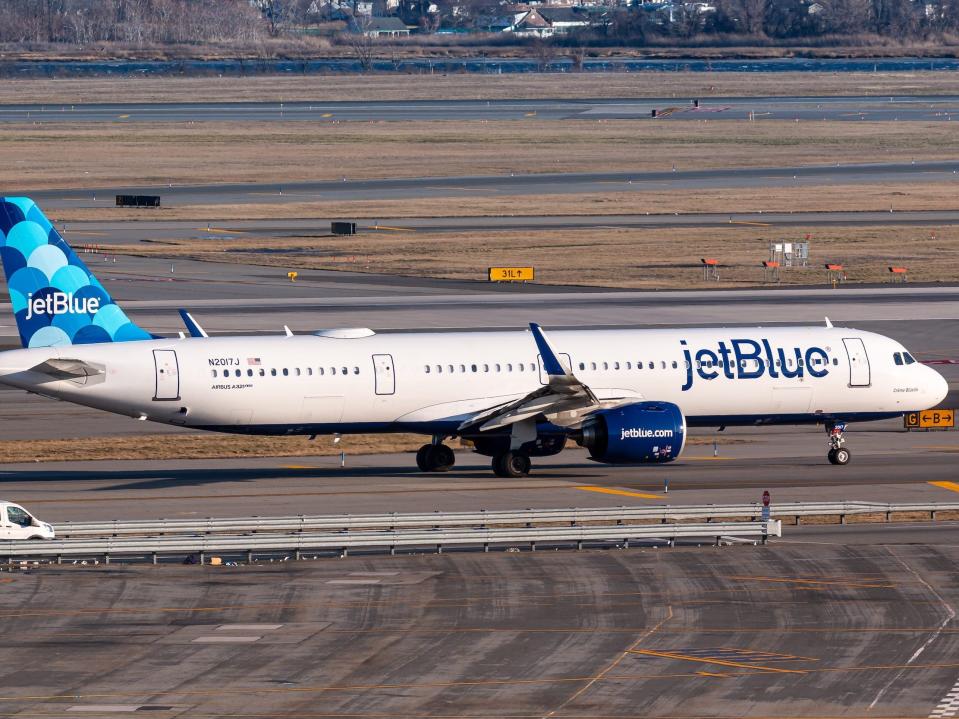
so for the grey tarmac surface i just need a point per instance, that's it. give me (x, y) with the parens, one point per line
(791, 629)
(889, 465)
(925, 108)
(506, 185)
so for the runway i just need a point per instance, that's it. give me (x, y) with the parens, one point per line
(923, 108)
(514, 184)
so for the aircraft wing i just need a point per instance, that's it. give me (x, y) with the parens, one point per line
(564, 393)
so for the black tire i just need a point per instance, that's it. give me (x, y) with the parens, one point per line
(840, 456)
(422, 457)
(511, 464)
(441, 459)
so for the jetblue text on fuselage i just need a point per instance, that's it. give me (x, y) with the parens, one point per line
(749, 359)
(61, 303)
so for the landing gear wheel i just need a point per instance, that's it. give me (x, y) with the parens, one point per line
(511, 464)
(421, 455)
(839, 456)
(442, 458)
(435, 458)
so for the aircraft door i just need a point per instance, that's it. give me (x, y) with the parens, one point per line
(859, 373)
(167, 375)
(383, 373)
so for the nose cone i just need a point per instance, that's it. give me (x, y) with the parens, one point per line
(938, 388)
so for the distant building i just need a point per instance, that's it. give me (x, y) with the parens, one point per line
(381, 27)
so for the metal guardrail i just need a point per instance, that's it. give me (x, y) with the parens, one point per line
(483, 518)
(342, 542)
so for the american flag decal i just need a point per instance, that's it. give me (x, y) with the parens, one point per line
(253, 360)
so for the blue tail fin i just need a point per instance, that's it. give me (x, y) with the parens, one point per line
(55, 298)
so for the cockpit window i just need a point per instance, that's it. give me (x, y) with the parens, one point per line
(908, 357)
(897, 356)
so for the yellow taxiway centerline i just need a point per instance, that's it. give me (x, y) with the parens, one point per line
(620, 492)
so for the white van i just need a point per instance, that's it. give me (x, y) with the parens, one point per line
(18, 523)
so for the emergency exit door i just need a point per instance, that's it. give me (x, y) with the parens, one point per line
(859, 374)
(167, 375)
(383, 374)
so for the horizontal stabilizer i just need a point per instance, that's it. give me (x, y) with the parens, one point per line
(68, 368)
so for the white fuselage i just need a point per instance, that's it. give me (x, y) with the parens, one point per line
(430, 382)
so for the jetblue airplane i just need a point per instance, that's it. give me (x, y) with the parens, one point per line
(627, 396)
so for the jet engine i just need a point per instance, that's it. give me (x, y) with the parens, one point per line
(638, 433)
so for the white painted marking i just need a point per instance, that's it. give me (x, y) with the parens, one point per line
(247, 627)
(225, 639)
(373, 574)
(949, 705)
(353, 581)
(950, 615)
(104, 708)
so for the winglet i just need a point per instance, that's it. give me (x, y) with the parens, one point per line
(551, 361)
(192, 325)
(828, 323)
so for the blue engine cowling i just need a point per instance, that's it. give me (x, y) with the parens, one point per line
(638, 433)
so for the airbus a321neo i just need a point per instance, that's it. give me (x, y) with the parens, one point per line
(627, 396)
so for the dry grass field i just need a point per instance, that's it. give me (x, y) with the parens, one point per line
(331, 88)
(215, 446)
(629, 258)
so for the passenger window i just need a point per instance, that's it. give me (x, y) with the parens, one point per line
(214, 373)
(356, 370)
(249, 373)
(650, 365)
(286, 372)
(615, 365)
(462, 368)
(606, 365)
(486, 368)
(449, 368)
(262, 372)
(521, 367)
(321, 371)
(497, 368)
(297, 371)
(426, 369)
(309, 371)
(273, 372)
(473, 367)
(238, 373)
(835, 360)
(344, 370)
(629, 365)
(676, 364)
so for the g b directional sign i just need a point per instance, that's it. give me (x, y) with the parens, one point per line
(930, 419)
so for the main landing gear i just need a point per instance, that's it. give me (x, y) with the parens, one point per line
(511, 464)
(837, 438)
(435, 458)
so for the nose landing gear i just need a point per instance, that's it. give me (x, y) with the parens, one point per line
(838, 454)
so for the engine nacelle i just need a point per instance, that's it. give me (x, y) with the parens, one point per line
(638, 433)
